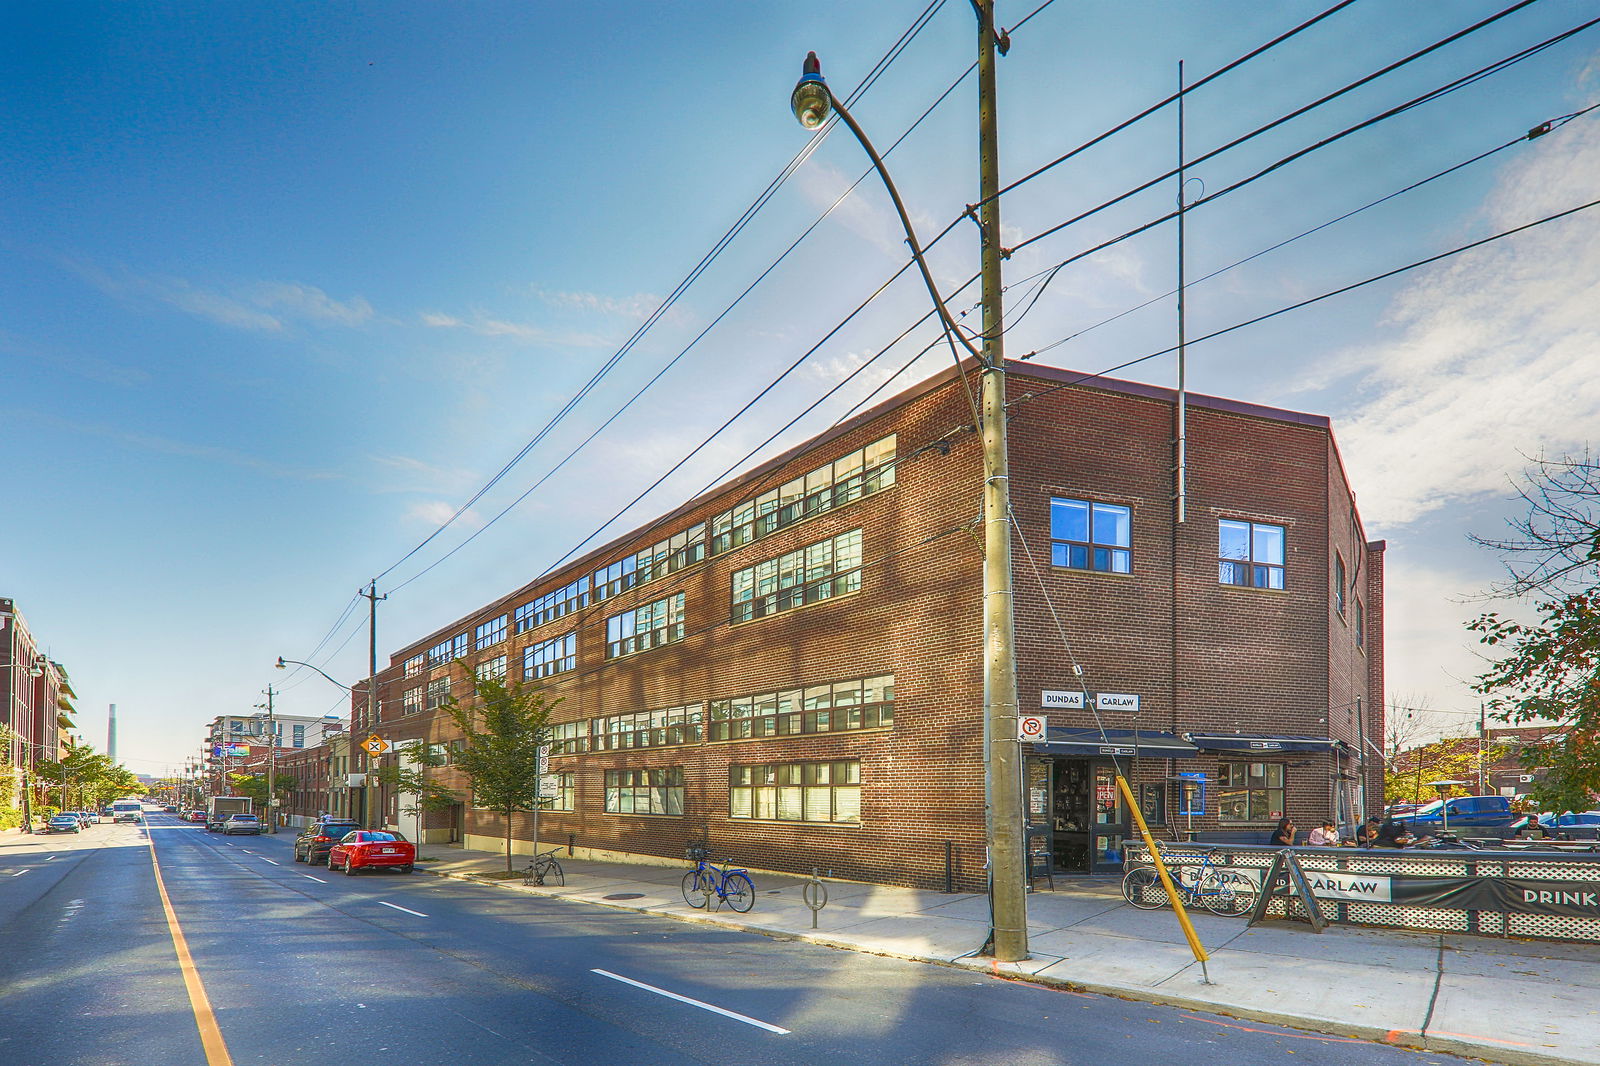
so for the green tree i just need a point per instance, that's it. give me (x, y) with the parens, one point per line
(408, 777)
(504, 727)
(255, 786)
(1405, 779)
(1547, 670)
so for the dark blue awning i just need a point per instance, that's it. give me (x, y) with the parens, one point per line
(1125, 742)
(1255, 742)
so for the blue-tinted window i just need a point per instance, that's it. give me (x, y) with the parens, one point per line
(1091, 536)
(1250, 554)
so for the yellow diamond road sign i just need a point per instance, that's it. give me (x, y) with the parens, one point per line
(375, 744)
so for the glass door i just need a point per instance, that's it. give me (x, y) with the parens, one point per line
(1110, 822)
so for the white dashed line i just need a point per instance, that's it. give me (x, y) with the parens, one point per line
(735, 1015)
(274, 862)
(397, 907)
(19, 873)
(318, 880)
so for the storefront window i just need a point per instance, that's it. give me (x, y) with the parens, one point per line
(1249, 791)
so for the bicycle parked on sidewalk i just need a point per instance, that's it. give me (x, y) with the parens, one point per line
(728, 883)
(1219, 891)
(544, 869)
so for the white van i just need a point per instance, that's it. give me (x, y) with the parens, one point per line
(127, 811)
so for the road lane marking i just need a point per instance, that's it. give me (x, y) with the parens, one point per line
(735, 1015)
(205, 1019)
(19, 873)
(274, 862)
(397, 907)
(49, 858)
(318, 880)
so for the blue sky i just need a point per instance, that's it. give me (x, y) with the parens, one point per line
(281, 286)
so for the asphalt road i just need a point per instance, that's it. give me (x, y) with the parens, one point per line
(304, 965)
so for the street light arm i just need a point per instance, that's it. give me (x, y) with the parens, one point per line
(283, 663)
(814, 78)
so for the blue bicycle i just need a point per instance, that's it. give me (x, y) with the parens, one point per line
(1198, 880)
(728, 883)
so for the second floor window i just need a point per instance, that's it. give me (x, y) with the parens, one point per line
(492, 669)
(438, 692)
(411, 701)
(1091, 536)
(1251, 554)
(645, 627)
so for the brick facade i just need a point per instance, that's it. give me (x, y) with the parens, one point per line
(1202, 656)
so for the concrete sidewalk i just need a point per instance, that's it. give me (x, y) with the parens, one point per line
(1502, 1000)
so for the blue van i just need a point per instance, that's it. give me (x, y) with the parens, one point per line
(1465, 815)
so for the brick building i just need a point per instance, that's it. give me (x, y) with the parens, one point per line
(35, 701)
(790, 665)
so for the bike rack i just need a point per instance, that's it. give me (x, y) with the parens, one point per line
(815, 894)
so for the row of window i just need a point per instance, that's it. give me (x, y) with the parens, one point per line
(834, 484)
(807, 575)
(822, 792)
(860, 703)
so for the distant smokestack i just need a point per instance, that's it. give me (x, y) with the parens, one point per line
(111, 736)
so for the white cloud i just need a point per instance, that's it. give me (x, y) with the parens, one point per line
(438, 512)
(1497, 354)
(269, 306)
(635, 308)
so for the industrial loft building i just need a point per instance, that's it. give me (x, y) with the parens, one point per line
(35, 701)
(790, 665)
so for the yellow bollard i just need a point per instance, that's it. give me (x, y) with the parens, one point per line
(1195, 946)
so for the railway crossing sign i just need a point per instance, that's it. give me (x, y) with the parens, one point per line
(375, 745)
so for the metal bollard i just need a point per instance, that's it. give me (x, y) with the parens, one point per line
(815, 895)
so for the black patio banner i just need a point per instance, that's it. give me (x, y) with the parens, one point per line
(1507, 895)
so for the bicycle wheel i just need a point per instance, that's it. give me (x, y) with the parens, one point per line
(1142, 888)
(553, 874)
(739, 892)
(696, 889)
(1230, 897)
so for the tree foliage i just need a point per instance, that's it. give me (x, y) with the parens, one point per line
(255, 786)
(1405, 779)
(408, 777)
(1548, 670)
(503, 726)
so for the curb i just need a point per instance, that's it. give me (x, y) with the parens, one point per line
(1410, 1039)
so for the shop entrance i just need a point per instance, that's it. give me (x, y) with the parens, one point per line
(1076, 800)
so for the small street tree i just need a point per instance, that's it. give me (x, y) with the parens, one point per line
(504, 727)
(1548, 670)
(255, 787)
(408, 777)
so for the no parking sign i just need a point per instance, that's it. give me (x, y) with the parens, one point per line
(1031, 727)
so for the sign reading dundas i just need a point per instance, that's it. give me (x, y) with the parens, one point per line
(1103, 701)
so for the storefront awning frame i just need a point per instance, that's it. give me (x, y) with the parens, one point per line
(1149, 743)
(1260, 744)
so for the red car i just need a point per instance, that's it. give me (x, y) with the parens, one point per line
(370, 849)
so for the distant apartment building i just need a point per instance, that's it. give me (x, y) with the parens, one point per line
(241, 743)
(790, 666)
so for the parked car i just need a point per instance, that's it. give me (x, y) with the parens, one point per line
(369, 849)
(170, 809)
(1463, 815)
(195, 816)
(316, 839)
(65, 822)
(1583, 825)
(242, 825)
(87, 818)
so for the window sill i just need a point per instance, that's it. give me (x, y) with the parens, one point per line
(793, 610)
(735, 820)
(877, 730)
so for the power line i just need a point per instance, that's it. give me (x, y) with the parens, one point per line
(1308, 302)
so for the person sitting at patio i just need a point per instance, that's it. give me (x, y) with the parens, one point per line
(1324, 836)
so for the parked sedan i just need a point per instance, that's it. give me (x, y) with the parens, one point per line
(312, 845)
(370, 849)
(244, 824)
(65, 822)
(195, 816)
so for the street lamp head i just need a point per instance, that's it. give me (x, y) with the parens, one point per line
(811, 100)
(280, 663)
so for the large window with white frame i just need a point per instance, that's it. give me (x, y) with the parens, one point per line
(1085, 535)
(648, 729)
(447, 651)
(812, 574)
(491, 669)
(549, 657)
(489, 633)
(1250, 554)
(653, 791)
(646, 627)
(411, 701)
(552, 605)
(846, 479)
(569, 738)
(564, 795)
(438, 692)
(862, 703)
(827, 792)
(415, 665)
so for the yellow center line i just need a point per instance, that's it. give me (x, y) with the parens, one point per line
(204, 1018)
